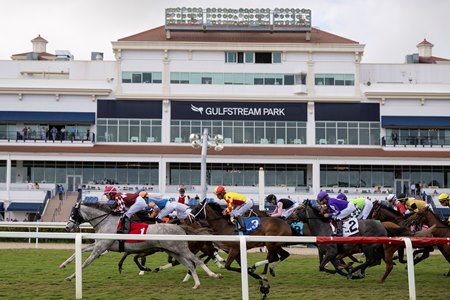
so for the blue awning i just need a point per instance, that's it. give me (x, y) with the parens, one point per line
(24, 206)
(47, 117)
(414, 121)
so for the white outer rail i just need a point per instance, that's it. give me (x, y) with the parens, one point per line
(242, 239)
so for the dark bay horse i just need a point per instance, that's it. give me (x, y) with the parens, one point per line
(320, 226)
(100, 217)
(426, 216)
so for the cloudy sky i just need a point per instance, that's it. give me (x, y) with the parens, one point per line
(390, 29)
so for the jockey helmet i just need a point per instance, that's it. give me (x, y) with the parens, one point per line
(322, 195)
(342, 196)
(271, 198)
(219, 190)
(443, 197)
(143, 194)
(391, 197)
(182, 190)
(110, 190)
(402, 197)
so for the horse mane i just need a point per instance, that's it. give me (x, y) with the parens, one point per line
(99, 206)
(216, 207)
(390, 209)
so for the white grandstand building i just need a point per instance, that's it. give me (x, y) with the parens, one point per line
(298, 110)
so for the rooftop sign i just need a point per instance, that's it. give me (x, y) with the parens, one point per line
(242, 19)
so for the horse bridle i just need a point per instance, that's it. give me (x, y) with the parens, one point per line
(77, 219)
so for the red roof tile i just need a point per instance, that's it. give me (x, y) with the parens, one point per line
(159, 34)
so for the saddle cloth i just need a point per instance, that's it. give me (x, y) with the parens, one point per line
(135, 228)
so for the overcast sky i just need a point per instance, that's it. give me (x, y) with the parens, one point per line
(390, 29)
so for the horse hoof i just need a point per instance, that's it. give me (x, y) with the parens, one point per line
(218, 276)
(156, 270)
(196, 287)
(68, 279)
(272, 272)
(62, 266)
(141, 273)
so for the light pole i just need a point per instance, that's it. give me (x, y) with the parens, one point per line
(205, 141)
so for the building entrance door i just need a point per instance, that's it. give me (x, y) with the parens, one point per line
(401, 186)
(73, 181)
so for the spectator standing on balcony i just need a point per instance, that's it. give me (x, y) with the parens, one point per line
(43, 134)
(413, 190)
(63, 134)
(394, 137)
(53, 131)
(24, 133)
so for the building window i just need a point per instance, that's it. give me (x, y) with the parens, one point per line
(348, 133)
(141, 77)
(240, 132)
(128, 131)
(233, 78)
(253, 57)
(334, 79)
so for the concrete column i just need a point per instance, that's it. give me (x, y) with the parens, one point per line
(315, 178)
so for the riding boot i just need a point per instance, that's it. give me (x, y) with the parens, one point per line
(240, 221)
(126, 223)
(339, 228)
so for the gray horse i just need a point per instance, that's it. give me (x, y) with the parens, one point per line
(100, 217)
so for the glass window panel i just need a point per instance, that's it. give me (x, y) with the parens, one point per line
(137, 78)
(329, 79)
(349, 79)
(217, 78)
(259, 79)
(123, 134)
(228, 78)
(319, 79)
(231, 57)
(147, 77)
(289, 79)
(353, 136)
(195, 78)
(269, 79)
(248, 78)
(249, 57)
(238, 78)
(364, 137)
(126, 77)
(174, 77)
(339, 79)
(276, 57)
(184, 78)
(157, 77)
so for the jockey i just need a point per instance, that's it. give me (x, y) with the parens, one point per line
(413, 204)
(445, 201)
(392, 201)
(111, 193)
(182, 211)
(284, 207)
(401, 208)
(363, 206)
(138, 205)
(183, 198)
(339, 210)
(237, 204)
(160, 204)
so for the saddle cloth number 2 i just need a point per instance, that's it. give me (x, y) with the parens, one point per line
(351, 227)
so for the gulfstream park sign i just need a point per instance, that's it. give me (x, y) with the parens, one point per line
(238, 111)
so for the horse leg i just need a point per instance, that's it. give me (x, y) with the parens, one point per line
(389, 251)
(87, 248)
(99, 248)
(425, 254)
(190, 266)
(124, 256)
(281, 255)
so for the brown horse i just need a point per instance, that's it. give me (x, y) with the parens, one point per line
(221, 225)
(385, 213)
(426, 216)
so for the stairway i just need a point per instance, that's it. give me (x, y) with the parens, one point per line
(59, 211)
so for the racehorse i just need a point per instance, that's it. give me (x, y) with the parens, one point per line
(384, 213)
(320, 226)
(100, 217)
(426, 216)
(221, 225)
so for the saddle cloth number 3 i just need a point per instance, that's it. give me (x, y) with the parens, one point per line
(351, 227)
